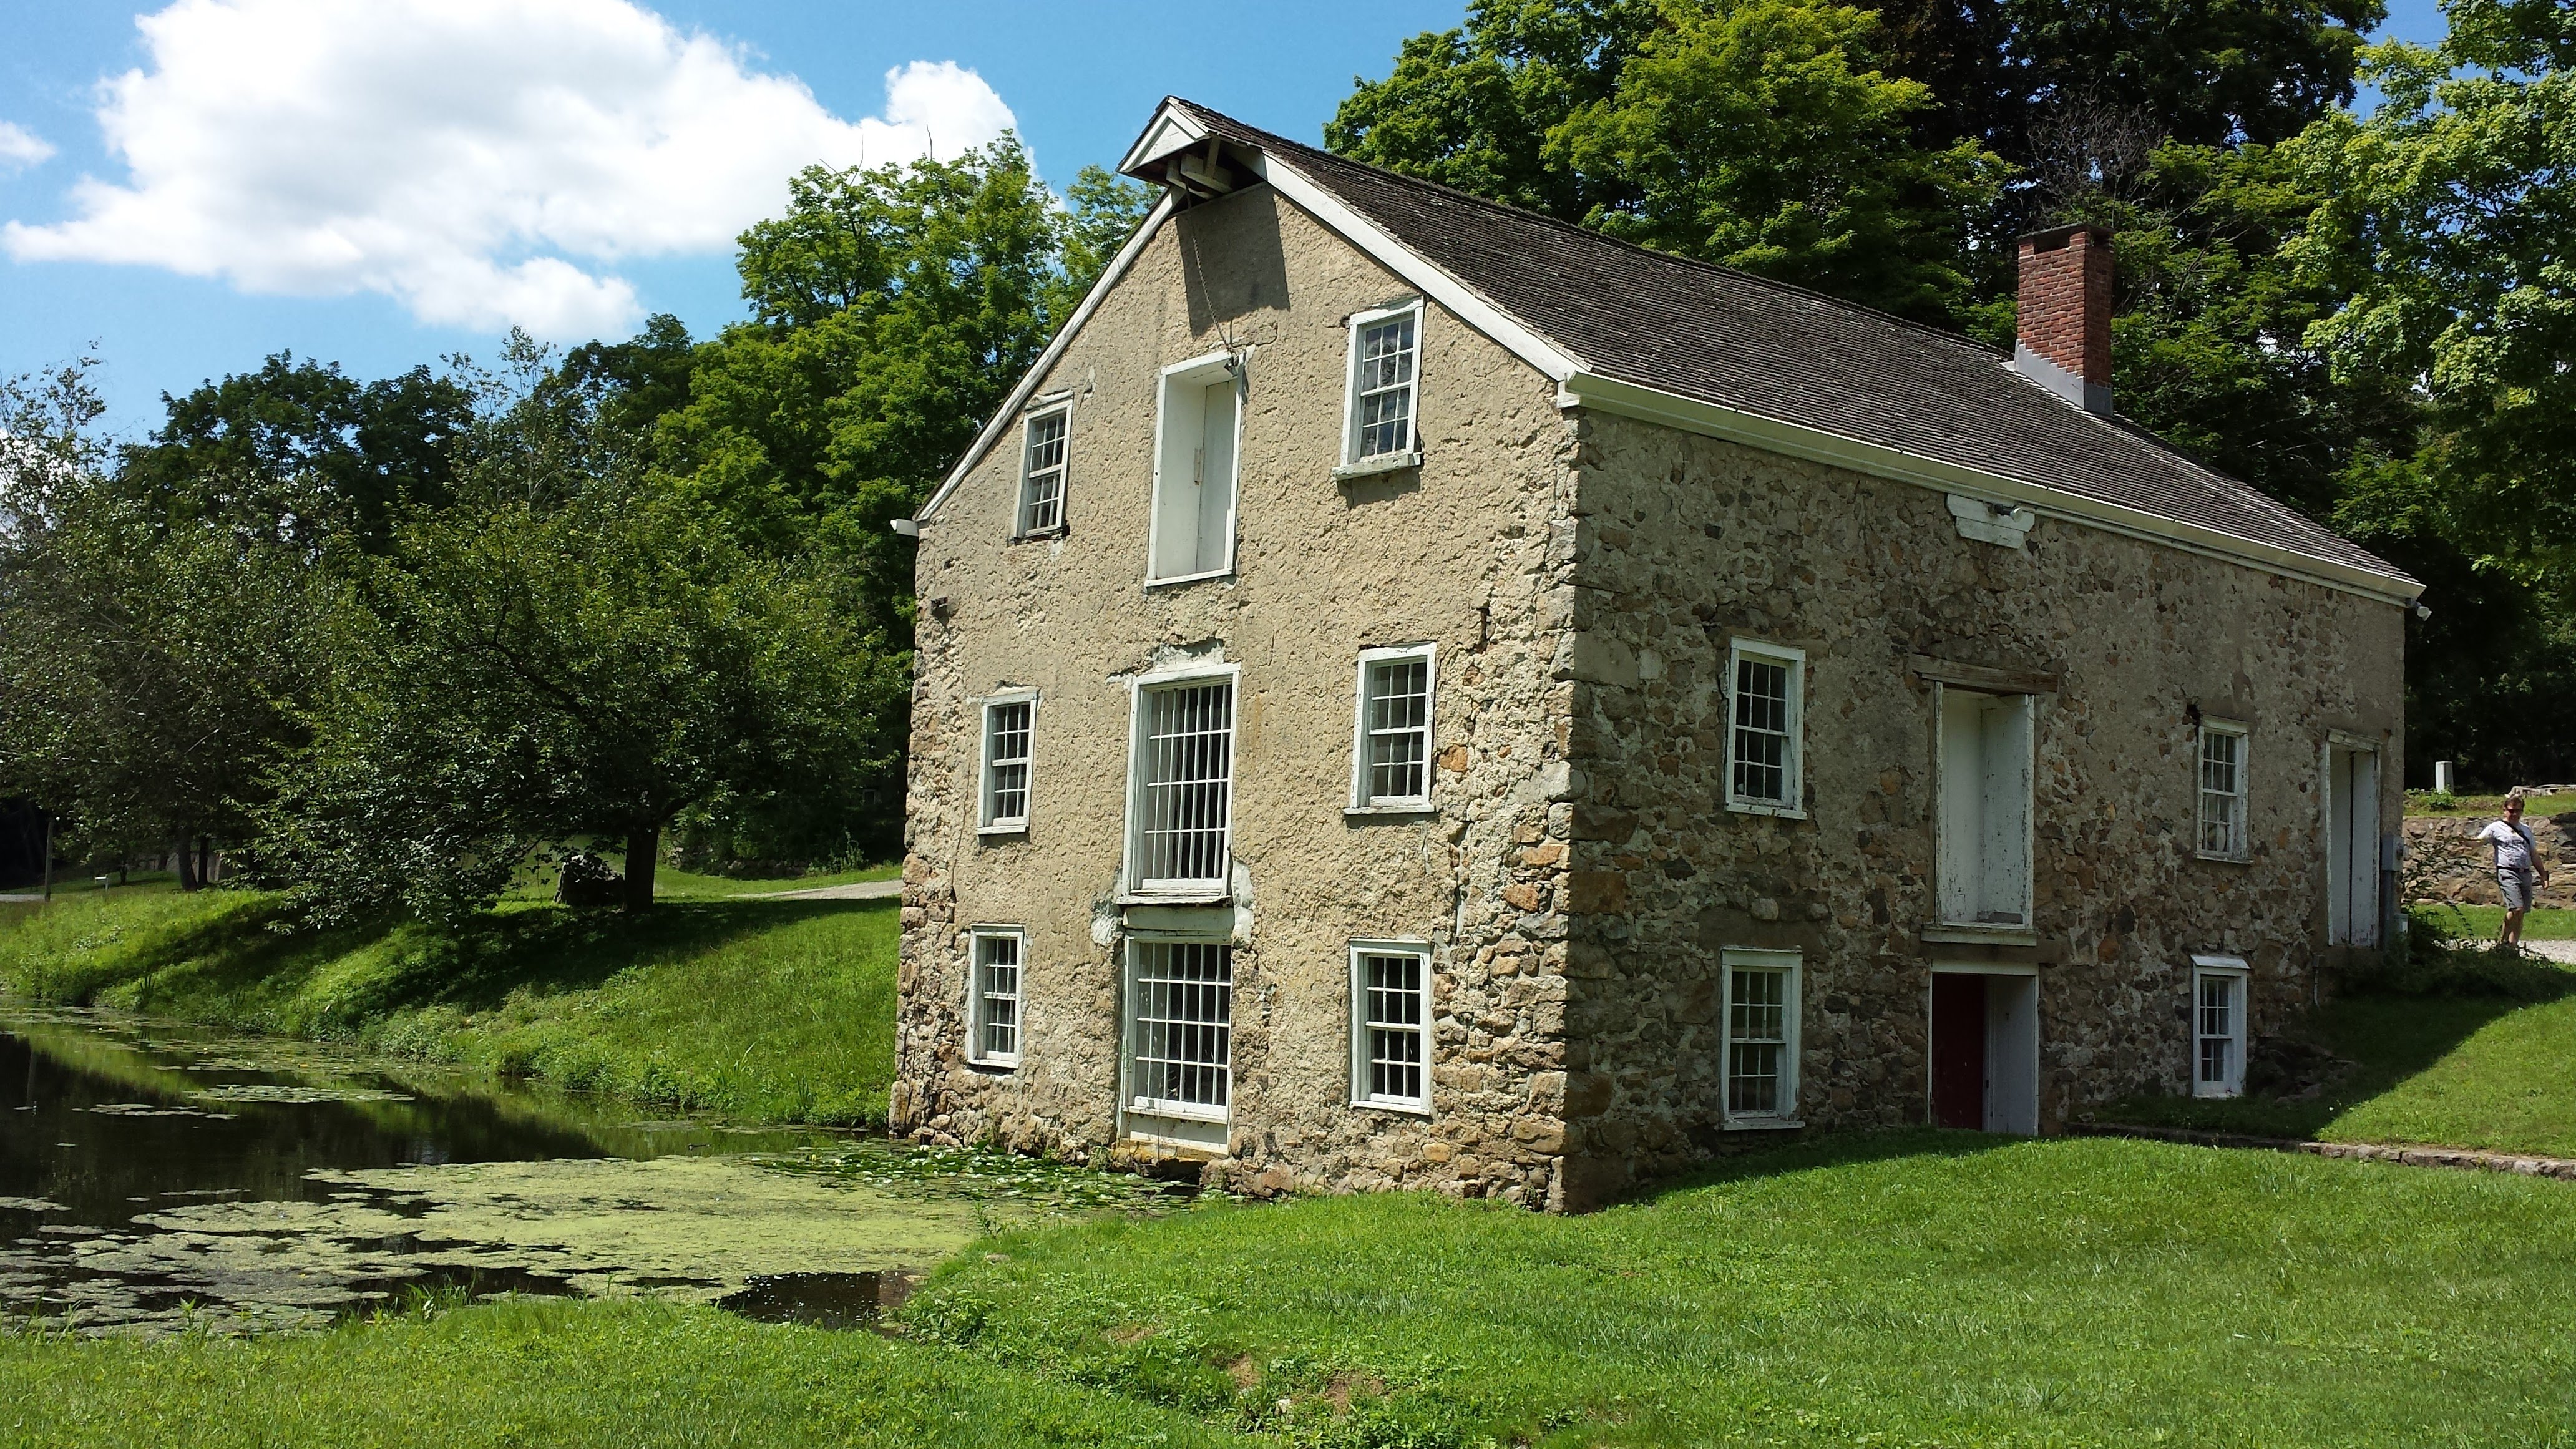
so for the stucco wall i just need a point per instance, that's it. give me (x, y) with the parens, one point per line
(1684, 542)
(1458, 554)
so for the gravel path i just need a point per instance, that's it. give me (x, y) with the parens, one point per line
(866, 890)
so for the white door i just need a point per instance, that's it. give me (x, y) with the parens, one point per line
(2352, 846)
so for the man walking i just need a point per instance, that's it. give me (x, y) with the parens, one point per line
(2519, 873)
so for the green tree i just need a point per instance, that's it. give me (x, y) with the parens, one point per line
(1761, 134)
(586, 654)
(148, 668)
(1474, 107)
(301, 452)
(891, 311)
(2449, 223)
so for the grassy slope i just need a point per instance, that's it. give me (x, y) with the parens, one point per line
(2490, 806)
(528, 1373)
(772, 1009)
(2480, 923)
(1912, 1289)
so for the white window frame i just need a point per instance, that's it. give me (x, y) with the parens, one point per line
(1193, 891)
(978, 1001)
(1058, 406)
(1362, 802)
(1362, 1026)
(1794, 783)
(1791, 965)
(986, 822)
(1202, 371)
(1352, 464)
(2214, 968)
(2240, 847)
(1132, 1101)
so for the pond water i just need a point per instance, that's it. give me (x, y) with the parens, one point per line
(156, 1176)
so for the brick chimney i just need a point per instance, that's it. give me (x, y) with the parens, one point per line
(2065, 342)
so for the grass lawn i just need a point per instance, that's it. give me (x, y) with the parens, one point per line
(2481, 923)
(1908, 1289)
(545, 1373)
(2491, 805)
(780, 1010)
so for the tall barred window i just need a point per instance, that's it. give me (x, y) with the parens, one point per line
(1185, 778)
(1180, 1028)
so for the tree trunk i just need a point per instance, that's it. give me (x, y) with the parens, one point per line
(205, 861)
(188, 880)
(642, 845)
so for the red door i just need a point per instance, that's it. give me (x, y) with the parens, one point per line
(1959, 1050)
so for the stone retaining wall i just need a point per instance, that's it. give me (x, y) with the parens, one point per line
(2446, 863)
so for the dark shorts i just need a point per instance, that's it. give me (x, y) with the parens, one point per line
(2516, 885)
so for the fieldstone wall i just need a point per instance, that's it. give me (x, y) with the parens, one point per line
(2447, 863)
(1684, 542)
(1472, 552)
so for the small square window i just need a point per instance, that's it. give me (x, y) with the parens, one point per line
(1766, 693)
(1042, 471)
(1391, 749)
(993, 999)
(1008, 727)
(2217, 1026)
(2222, 790)
(1385, 386)
(1760, 1048)
(1391, 1025)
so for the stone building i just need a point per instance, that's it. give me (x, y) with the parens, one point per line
(1414, 694)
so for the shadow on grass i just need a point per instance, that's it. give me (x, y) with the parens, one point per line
(477, 965)
(254, 951)
(1822, 1151)
(2393, 1024)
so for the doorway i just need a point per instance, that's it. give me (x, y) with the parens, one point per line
(2352, 846)
(1985, 1049)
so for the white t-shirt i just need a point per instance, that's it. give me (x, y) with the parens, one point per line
(2515, 849)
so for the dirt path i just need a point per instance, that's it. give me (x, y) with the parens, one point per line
(866, 890)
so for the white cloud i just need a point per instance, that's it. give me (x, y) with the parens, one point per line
(20, 147)
(483, 161)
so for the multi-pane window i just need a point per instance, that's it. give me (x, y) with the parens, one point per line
(1180, 1028)
(1766, 688)
(1042, 468)
(2217, 1032)
(993, 1011)
(1006, 764)
(1392, 764)
(1761, 1044)
(1185, 780)
(1384, 354)
(1391, 1025)
(2222, 790)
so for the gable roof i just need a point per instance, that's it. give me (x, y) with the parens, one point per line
(1716, 350)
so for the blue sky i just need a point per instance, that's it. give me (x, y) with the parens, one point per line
(379, 276)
